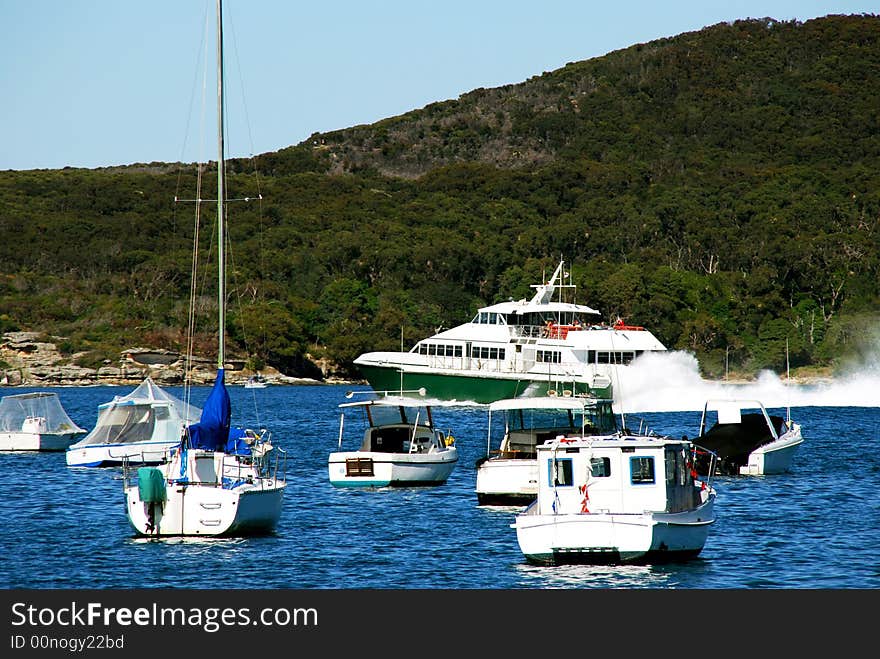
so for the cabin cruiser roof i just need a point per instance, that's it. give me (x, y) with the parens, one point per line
(544, 403)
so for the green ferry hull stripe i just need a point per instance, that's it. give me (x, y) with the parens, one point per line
(465, 388)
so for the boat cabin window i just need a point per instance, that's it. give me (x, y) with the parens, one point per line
(488, 318)
(612, 357)
(548, 356)
(641, 469)
(600, 467)
(484, 352)
(560, 472)
(440, 349)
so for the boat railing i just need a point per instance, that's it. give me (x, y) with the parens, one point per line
(713, 460)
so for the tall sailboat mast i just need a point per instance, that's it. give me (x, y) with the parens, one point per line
(221, 255)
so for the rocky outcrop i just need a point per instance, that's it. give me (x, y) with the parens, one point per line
(33, 359)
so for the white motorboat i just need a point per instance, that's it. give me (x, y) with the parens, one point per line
(745, 439)
(256, 382)
(140, 427)
(618, 498)
(218, 481)
(514, 349)
(508, 474)
(396, 445)
(35, 422)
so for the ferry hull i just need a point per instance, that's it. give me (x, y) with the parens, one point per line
(483, 388)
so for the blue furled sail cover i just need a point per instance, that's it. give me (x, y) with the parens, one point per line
(212, 430)
(237, 442)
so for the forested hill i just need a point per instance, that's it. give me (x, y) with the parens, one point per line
(720, 187)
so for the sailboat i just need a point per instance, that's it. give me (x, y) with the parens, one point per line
(219, 481)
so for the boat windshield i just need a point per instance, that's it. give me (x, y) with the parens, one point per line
(489, 318)
(598, 419)
(383, 415)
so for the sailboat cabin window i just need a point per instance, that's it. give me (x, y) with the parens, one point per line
(641, 469)
(560, 472)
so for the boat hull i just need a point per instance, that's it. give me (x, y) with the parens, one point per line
(221, 495)
(376, 469)
(609, 538)
(507, 482)
(206, 511)
(440, 386)
(773, 458)
(114, 455)
(30, 441)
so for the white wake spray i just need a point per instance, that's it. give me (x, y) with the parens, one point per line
(671, 382)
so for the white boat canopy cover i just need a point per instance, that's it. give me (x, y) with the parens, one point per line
(16, 409)
(132, 418)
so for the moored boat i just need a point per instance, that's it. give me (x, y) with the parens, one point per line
(218, 481)
(142, 426)
(396, 444)
(516, 348)
(508, 475)
(746, 439)
(36, 422)
(618, 498)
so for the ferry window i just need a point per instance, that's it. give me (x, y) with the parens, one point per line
(641, 470)
(457, 352)
(591, 356)
(423, 349)
(432, 349)
(560, 471)
(493, 319)
(450, 351)
(600, 467)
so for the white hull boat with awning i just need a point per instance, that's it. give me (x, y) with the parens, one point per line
(396, 443)
(140, 427)
(745, 439)
(35, 422)
(508, 475)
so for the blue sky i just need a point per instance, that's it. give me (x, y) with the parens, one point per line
(94, 83)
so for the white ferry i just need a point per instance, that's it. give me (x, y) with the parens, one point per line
(514, 349)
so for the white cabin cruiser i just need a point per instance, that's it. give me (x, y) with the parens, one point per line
(513, 349)
(618, 498)
(508, 475)
(397, 445)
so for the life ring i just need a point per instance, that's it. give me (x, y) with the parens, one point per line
(450, 440)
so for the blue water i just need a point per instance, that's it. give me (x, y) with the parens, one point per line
(815, 527)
